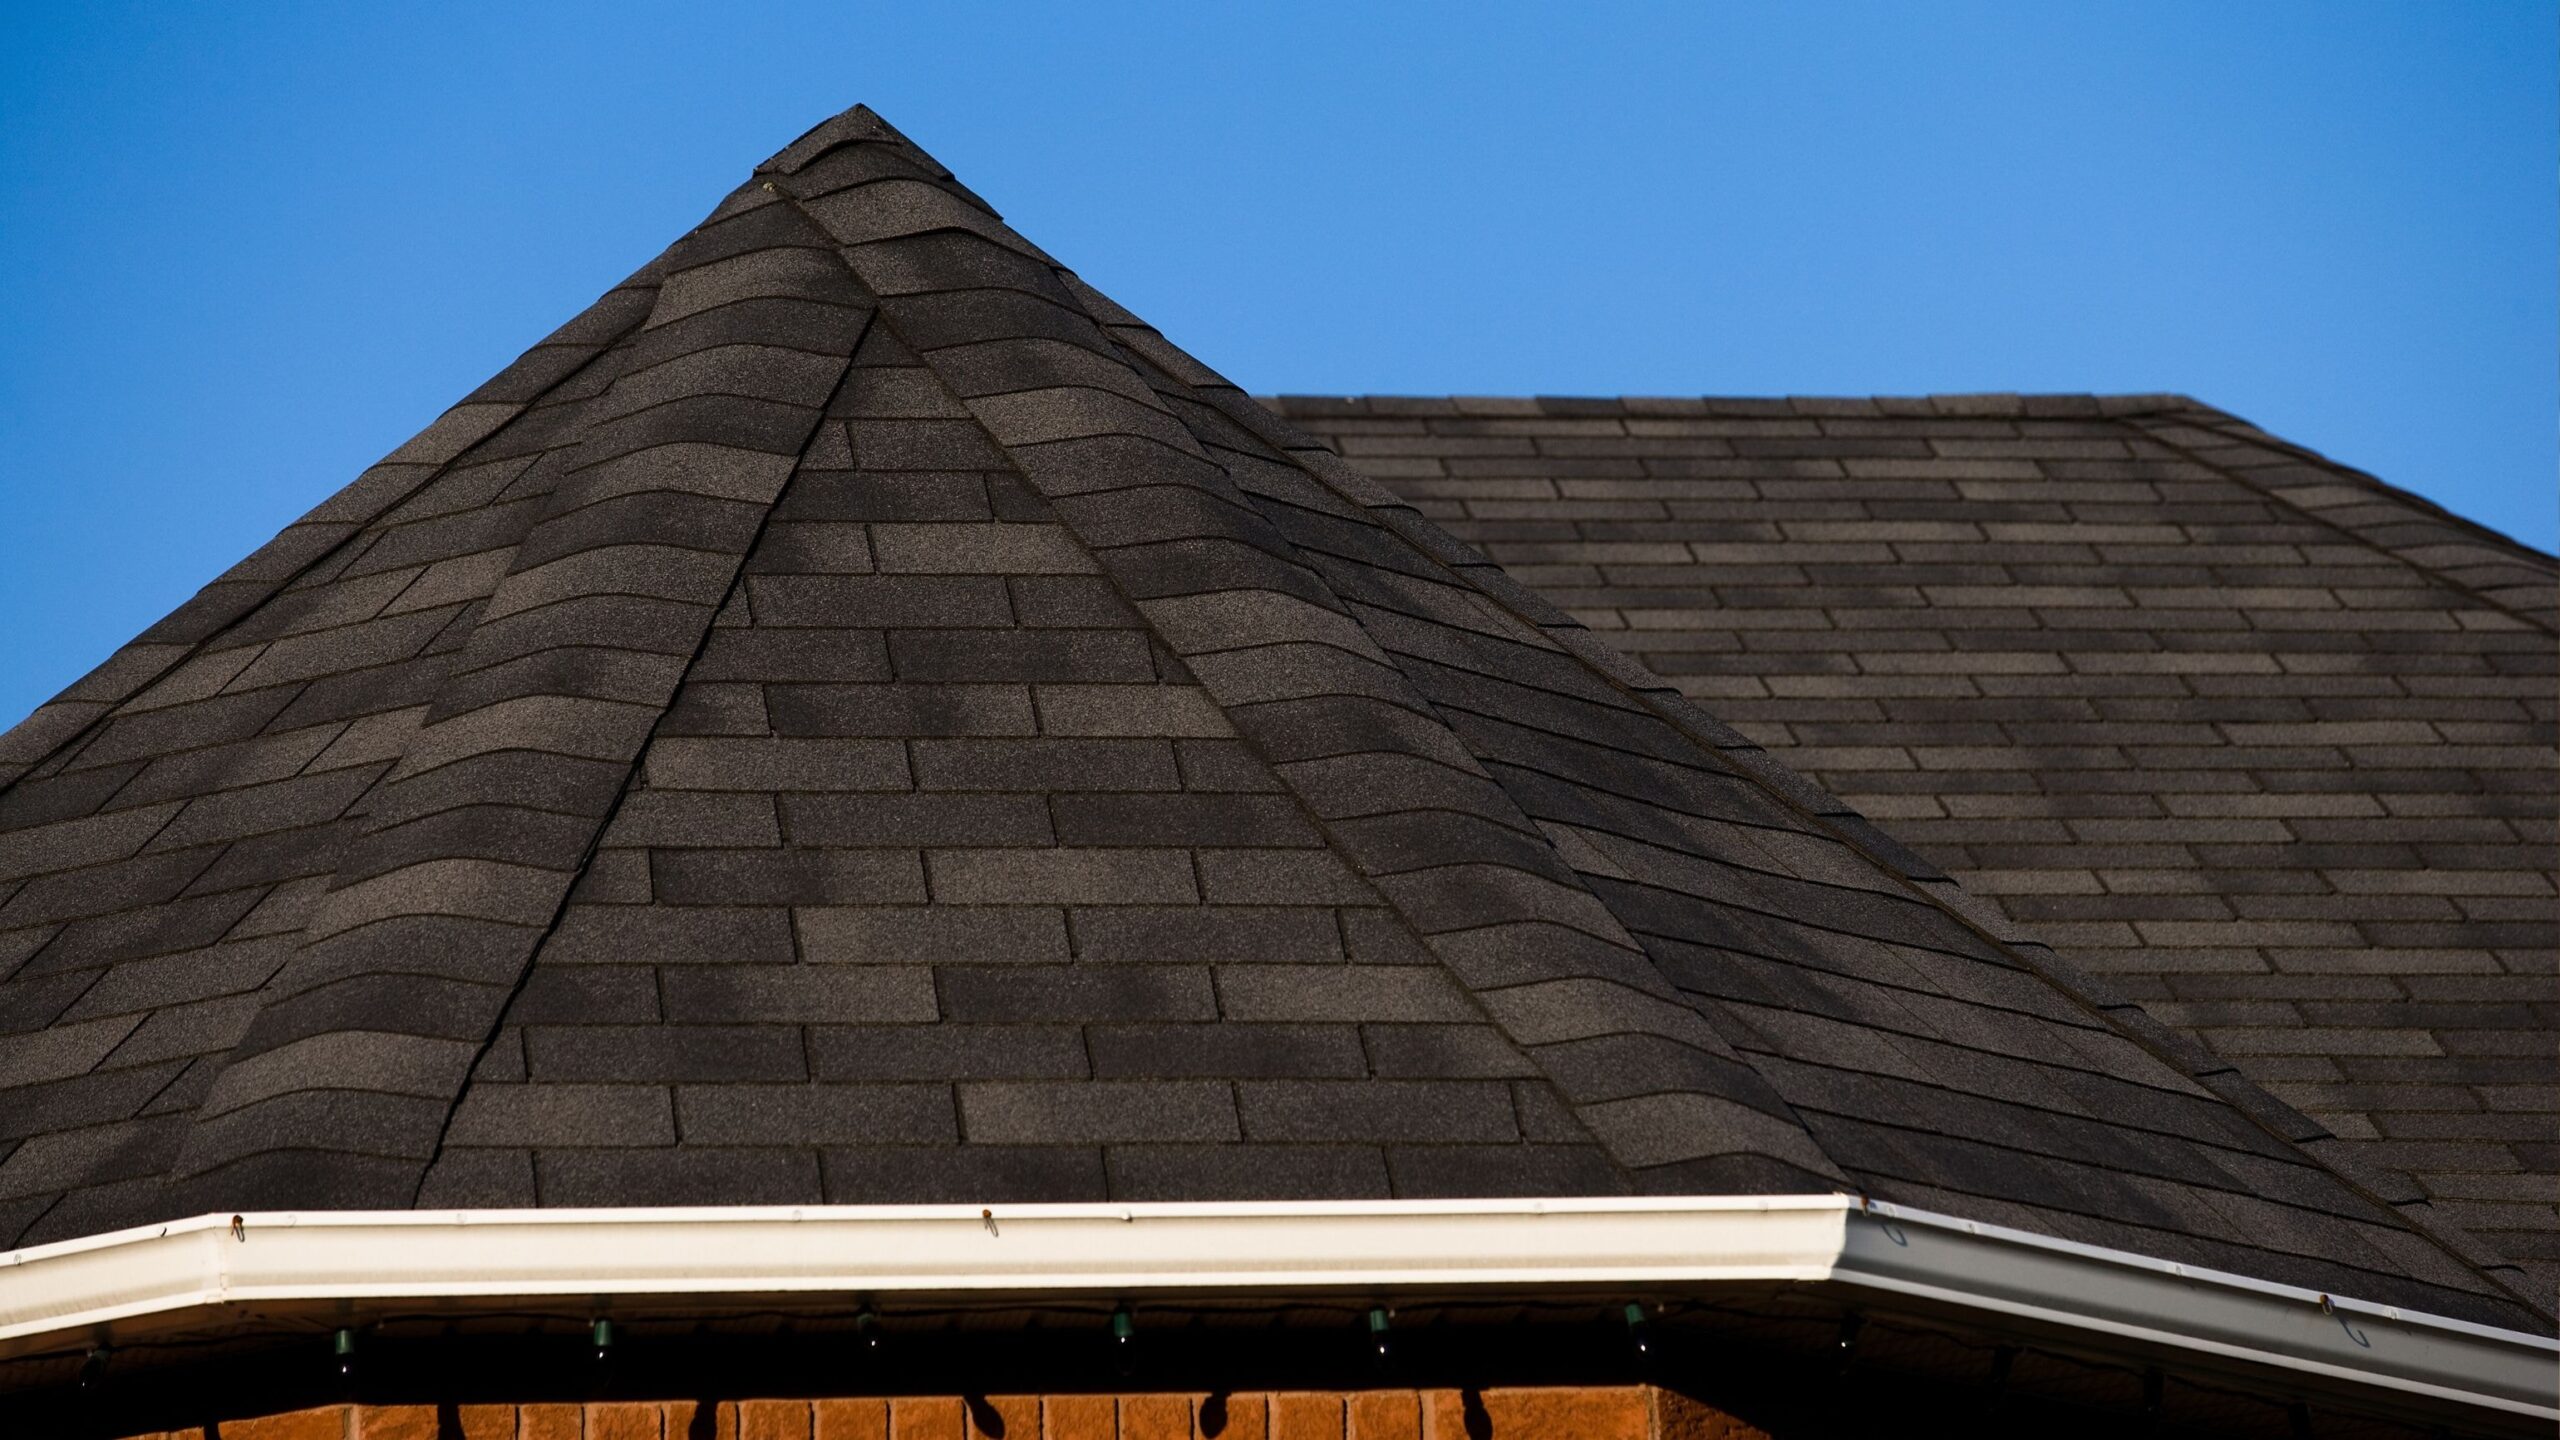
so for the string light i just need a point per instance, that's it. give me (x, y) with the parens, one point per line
(1845, 1349)
(1639, 1332)
(2003, 1360)
(1999, 1384)
(1124, 1340)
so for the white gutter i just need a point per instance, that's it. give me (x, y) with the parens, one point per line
(220, 1269)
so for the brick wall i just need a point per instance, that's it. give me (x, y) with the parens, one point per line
(1630, 1412)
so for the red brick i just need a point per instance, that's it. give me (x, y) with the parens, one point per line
(396, 1422)
(329, 1422)
(1155, 1417)
(853, 1420)
(487, 1422)
(1304, 1415)
(1677, 1417)
(1565, 1413)
(1248, 1417)
(1622, 1412)
(1015, 1417)
(773, 1420)
(625, 1420)
(549, 1422)
(925, 1417)
(1385, 1415)
(1444, 1415)
(1080, 1417)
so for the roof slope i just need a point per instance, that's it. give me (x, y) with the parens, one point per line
(859, 717)
(2265, 741)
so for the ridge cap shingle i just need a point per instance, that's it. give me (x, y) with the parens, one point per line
(1184, 616)
(2101, 1000)
(386, 483)
(1654, 973)
(2017, 520)
(2280, 1120)
(483, 904)
(2247, 452)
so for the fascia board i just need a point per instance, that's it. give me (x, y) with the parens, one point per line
(158, 1277)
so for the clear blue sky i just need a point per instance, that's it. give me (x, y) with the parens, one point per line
(245, 249)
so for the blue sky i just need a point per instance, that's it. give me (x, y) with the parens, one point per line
(246, 249)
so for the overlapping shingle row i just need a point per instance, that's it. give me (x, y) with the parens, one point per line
(2264, 741)
(181, 811)
(896, 729)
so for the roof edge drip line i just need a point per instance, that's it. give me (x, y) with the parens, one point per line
(227, 1270)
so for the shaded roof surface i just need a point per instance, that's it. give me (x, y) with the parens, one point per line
(856, 716)
(2263, 740)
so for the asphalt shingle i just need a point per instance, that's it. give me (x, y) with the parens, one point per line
(922, 737)
(2261, 740)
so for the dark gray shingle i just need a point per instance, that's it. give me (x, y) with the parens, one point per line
(2265, 742)
(922, 737)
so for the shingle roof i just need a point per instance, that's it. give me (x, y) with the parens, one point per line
(2262, 739)
(857, 716)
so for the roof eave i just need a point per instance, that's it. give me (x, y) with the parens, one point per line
(220, 1268)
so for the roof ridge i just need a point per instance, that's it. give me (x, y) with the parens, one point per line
(1728, 980)
(1799, 792)
(1768, 1101)
(401, 889)
(2030, 405)
(621, 797)
(1751, 761)
(1310, 614)
(179, 636)
(410, 470)
(2463, 554)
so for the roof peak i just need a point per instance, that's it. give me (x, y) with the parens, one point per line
(861, 716)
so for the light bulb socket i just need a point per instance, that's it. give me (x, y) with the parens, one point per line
(1844, 1350)
(1124, 1346)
